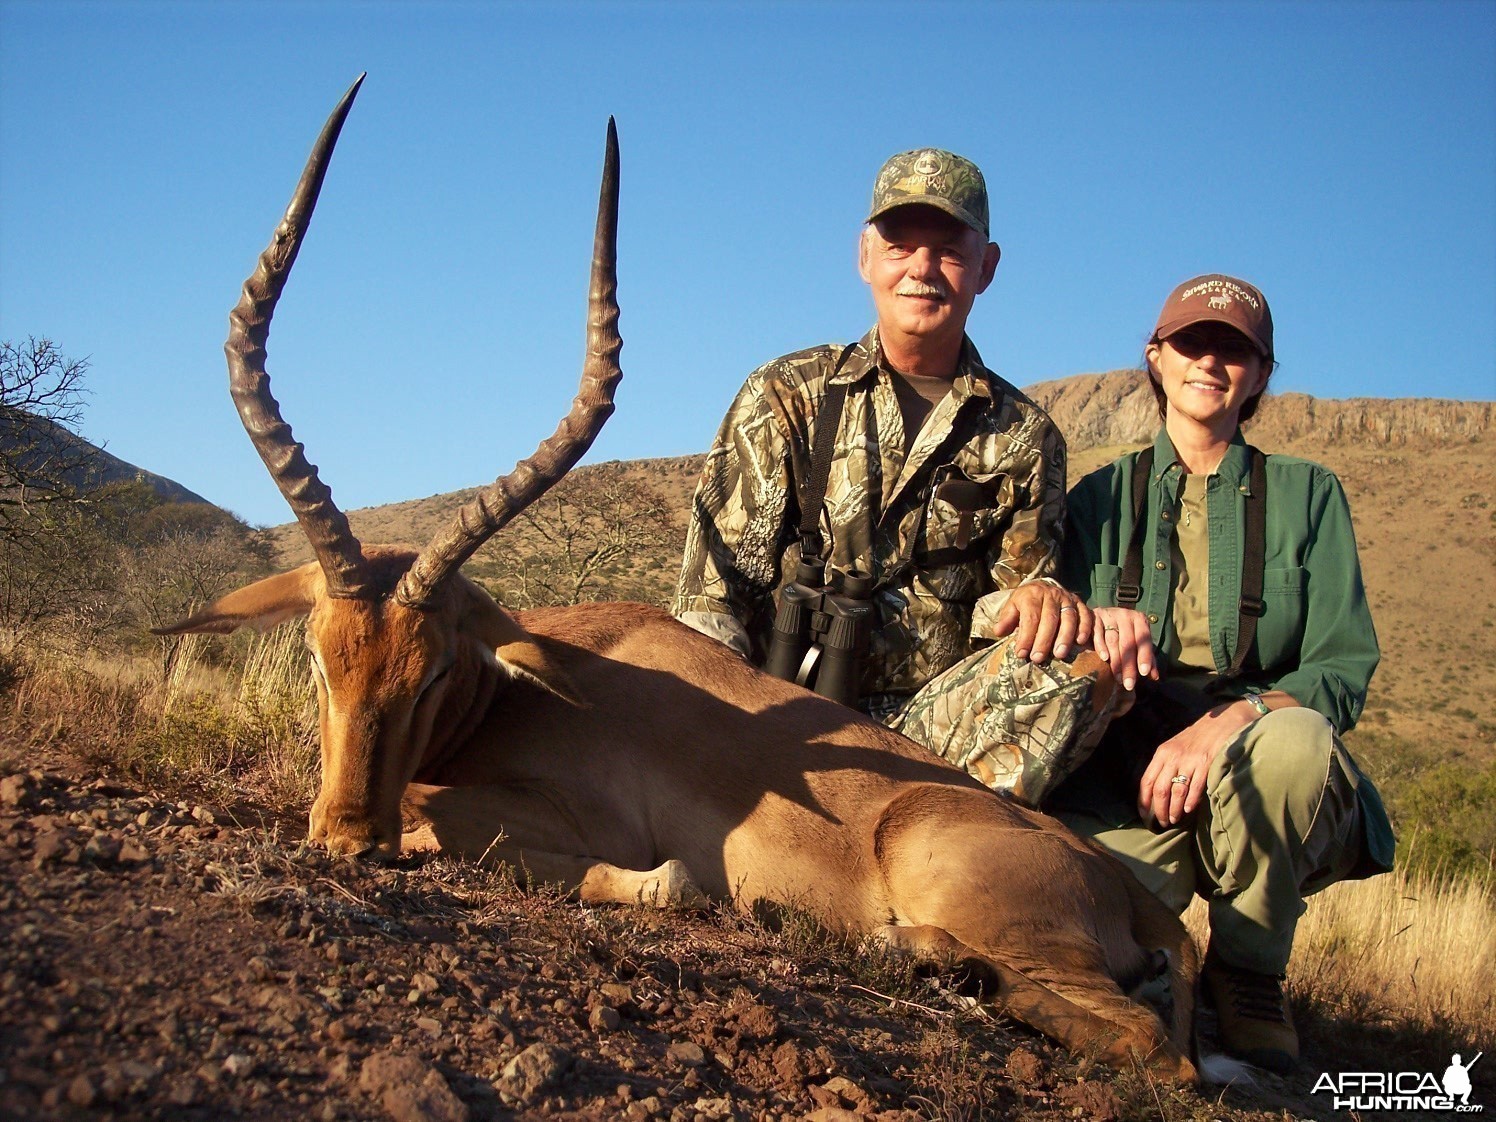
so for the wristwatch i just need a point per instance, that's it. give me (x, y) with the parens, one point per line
(1254, 699)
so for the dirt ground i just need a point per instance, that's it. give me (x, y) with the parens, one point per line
(165, 959)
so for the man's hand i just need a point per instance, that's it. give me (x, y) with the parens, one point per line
(1044, 618)
(1124, 640)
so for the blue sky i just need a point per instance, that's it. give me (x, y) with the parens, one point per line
(1340, 155)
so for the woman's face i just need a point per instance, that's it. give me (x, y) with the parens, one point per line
(1208, 372)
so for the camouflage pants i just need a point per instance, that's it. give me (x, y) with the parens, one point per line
(1014, 725)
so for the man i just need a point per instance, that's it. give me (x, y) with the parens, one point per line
(945, 484)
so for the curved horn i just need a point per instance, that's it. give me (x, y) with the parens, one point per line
(325, 526)
(499, 502)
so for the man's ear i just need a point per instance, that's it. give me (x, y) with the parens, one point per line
(864, 254)
(990, 257)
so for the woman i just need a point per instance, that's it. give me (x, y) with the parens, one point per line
(1240, 598)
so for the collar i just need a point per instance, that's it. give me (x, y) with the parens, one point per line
(1235, 467)
(972, 379)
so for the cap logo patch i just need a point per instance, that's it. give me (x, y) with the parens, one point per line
(929, 163)
(1220, 289)
(1219, 303)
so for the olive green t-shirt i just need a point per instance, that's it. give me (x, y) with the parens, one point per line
(1187, 642)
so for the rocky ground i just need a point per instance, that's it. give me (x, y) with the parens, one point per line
(167, 959)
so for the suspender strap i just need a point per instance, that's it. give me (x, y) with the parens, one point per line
(813, 497)
(1254, 558)
(1130, 584)
(1254, 552)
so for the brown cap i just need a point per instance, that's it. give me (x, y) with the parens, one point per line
(1220, 299)
(932, 177)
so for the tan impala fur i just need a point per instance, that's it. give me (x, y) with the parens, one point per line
(611, 750)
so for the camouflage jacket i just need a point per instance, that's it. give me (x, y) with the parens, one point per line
(932, 562)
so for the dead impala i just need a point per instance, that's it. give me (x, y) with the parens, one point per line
(622, 755)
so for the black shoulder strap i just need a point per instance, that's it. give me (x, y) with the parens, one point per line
(1254, 552)
(813, 496)
(1130, 584)
(1254, 558)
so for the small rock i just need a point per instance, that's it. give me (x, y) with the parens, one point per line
(604, 1019)
(102, 848)
(616, 994)
(1023, 1067)
(238, 1065)
(389, 1069)
(687, 1053)
(1094, 1101)
(131, 852)
(424, 983)
(429, 1025)
(431, 1100)
(851, 1095)
(713, 1107)
(53, 845)
(17, 791)
(532, 1071)
(186, 1093)
(82, 1092)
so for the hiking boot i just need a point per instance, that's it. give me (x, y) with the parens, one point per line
(1252, 1015)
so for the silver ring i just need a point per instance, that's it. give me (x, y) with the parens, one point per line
(1067, 608)
(1104, 627)
(1178, 779)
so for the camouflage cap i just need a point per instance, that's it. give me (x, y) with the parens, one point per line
(933, 177)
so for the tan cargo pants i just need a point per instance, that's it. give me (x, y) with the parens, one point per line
(1280, 821)
(1014, 725)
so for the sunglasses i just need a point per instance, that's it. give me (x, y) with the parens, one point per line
(1223, 342)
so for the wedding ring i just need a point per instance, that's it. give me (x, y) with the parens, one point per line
(1067, 608)
(1106, 627)
(1178, 779)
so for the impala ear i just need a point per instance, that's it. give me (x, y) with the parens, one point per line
(261, 605)
(517, 650)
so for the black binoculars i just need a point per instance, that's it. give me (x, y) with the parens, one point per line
(821, 631)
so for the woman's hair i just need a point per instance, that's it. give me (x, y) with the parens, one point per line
(1248, 409)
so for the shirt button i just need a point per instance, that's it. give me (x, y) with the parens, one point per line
(1166, 516)
(1152, 617)
(1244, 489)
(1158, 564)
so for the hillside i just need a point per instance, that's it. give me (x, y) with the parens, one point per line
(1429, 552)
(46, 442)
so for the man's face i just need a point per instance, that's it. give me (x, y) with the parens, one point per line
(925, 268)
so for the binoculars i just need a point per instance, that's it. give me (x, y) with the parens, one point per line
(821, 631)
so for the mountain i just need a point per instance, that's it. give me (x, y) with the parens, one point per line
(1107, 410)
(36, 441)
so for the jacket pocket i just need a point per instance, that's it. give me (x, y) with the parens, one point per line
(962, 515)
(1280, 631)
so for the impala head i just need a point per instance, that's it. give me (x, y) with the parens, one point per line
(400, 641)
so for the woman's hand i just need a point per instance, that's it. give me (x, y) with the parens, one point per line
(1124, 640)
(1175, 781)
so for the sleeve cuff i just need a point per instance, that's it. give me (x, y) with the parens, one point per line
(721, 627)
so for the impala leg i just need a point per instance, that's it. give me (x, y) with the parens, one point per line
(1091, 1015)
(495, 826)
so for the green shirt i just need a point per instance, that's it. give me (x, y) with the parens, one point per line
(1315, 640)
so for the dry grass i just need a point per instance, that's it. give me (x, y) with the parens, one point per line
(1410, 955)
(245, 732)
